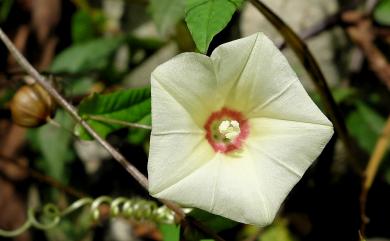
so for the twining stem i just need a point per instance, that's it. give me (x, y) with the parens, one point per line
(371, 171)
(135, 209)
(311, 65)
(133, 171)
(118, 122)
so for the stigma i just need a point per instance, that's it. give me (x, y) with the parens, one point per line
(230, 129)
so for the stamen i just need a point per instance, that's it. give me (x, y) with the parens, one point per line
(230, 129)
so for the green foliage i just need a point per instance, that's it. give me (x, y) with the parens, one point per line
(366, 125)
(382, 12)
(88, 56)
(214, 222)
(5, 8)
(277, 232)
(132, 105)
(170, 232)
(206, 18)
(340, 95)
(83, 27)
(166, 13)
(54, 144)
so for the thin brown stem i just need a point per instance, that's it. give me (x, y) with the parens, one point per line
(371, 171)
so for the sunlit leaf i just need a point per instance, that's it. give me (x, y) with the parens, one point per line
(132, 105)
(206, 18)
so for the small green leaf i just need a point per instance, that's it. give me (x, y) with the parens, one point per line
(91, 55)
(132, 105)
(170, 232)
(365, 124)
(382, 12)
(206, 18)
(166, 13)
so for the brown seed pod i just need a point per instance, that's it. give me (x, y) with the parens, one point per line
(32, 106)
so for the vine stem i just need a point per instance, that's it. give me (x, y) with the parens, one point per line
(41, 80)
(371, 171)
(119, 122)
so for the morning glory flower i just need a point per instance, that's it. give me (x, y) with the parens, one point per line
(232, 133)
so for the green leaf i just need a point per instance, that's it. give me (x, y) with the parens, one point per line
(214, 222)
(170, 232)
(382, 12)
(166, 13)
(88, 56)
(132, 105)
(83, 28)
(277, 232)
(54, 144)
(366, 125)
(206, 18)
(5, 8)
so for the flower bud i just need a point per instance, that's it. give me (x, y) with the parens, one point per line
(32, 106)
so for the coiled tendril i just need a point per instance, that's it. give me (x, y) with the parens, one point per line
(136, 209)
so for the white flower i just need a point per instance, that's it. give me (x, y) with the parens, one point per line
(234, 132)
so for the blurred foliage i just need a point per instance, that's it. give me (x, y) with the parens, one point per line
(5, 7)
(366, 125)
(215, 222)
(382, 12)
(55, 155)
(279, 232)
(166, 14)
(87, 56)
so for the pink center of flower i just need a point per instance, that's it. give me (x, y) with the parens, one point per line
(226, 130)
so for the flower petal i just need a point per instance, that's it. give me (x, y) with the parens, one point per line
(251, 71)
(282, 151)
(229, 187)
(292, 103)
(185, 85)
(174, 156)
